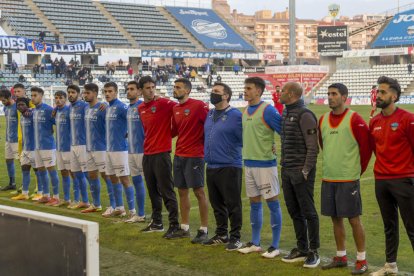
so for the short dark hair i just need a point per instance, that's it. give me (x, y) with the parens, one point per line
(92, 87)
(111, 84)
(393, 84)
(61, 93)
(133, 83)
(144, 80)
(74, 87)
(258, 82)
(186, 82)
(23, 99)
(5, 93)
(343, 90)
(37, 89)
(18, 85)
(226, 89)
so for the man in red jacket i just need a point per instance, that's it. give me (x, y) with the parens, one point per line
(373, 101)
(392, 134)
(276, 100)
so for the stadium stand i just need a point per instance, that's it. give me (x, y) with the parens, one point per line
(22, 20)
(360, 81)
(147, 25)
(86, 22)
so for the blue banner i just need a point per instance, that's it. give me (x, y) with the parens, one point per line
(210, 29)
(17, 43)
(191, 54)
(400, 31)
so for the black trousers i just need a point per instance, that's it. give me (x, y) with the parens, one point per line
(224, 191)
(298, 194)
(394, 194)
(158, 176)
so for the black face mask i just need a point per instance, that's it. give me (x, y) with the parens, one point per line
(215, 98)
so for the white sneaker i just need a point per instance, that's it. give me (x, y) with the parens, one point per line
(108, 212)
(249, 248)
(134, 218)
(119, 212)
(271, 253)
(388, 269)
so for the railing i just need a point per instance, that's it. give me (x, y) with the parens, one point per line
(175, 3)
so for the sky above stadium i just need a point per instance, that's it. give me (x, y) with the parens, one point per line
(317, 9)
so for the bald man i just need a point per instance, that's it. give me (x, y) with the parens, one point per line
(299, 154)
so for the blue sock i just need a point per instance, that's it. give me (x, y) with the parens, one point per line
(66, 187)
(39, 182)
(45, 182)
(55, 182)
(275, 221)
(76, 189)
(110, 189)
(118, 195)
(129, 192)
(26, 180)
(256, 220)
(140, 194)
(82, 186)
(96, 191)
(10, 170)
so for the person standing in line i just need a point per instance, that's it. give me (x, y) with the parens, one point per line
(260, 121)
(45, 146)
(136, 149)
(373, 101)
(392, 133)
(96, 150)
(345, 141)
(11, 145)
(299, 155)
(224, 166)
(117, 167)
(188, 120)
(156, 116)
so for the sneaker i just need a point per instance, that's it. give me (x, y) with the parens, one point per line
(249, 248)
(134, 218)
(153, 227)
(73, 205)
(200, 237)
(295, 255)
(79, 205)
(118, 212)
(216, 240)
(387, 269)
(62, 203)
(233, 245)
(271, 253)
(52, 201)
(174, 232)
(312, 260)
(336, 263)
(8, 187)
(108, 212)
(44, 199)
(18, 191)
(20, 197)
(91, 209)
(360, 267)
(37, 197)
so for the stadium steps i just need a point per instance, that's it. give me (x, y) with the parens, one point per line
(410, 89)
(194, 41)
(116, 24)
(7, 27)
(43, 18)
(322, 81)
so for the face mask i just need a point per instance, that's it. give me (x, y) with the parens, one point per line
(215, 98)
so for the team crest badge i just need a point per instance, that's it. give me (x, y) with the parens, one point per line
(153, 109)
(394, 126)
(224, 118)
(187, 112)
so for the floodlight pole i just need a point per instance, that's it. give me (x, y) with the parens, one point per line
(292, 32)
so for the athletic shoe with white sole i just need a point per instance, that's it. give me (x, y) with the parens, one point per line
(134, 218)
(271, 253)
(360, 267)
(295, 255)
(216, 240)
(119, 212)
(153, 227)
(387, 269)
(233, 245)
(312, 260)
(108, 212)
(250, 248)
